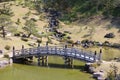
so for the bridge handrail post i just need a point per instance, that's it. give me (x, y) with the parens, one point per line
(95, 55)
(13, 51)
(38, 48)
(47, 46)
(75, 52)
(65, 50)
(82, 52)
(30, 51)
(22, 49)
(55, 50)
(100, 55)
(84, 55)
(90, 55)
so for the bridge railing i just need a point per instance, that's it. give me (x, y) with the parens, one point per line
(53, 50)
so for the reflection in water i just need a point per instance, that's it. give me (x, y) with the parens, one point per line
(55, 71)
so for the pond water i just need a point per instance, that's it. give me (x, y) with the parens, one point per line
(55, 71)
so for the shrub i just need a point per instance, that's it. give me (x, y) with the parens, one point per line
(17, 34)
(85, 41)
(70, 41)
(6, 56)
(49, 41)
(39, 40)
(116, 45)
(106, 43)
(7, 47)
(24, 39)
(18, 21)
(68, 37)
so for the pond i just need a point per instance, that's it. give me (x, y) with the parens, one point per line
(55, 71)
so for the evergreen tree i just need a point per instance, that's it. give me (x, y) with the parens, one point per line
(30, 27)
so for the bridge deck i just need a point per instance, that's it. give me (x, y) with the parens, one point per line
(58, 51)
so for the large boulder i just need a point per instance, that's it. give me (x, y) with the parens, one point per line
(109, 35)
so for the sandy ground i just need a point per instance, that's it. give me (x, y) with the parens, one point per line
(105, 67)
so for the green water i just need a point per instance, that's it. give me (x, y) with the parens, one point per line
(56, 71)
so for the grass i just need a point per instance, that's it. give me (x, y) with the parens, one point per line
(55, 71)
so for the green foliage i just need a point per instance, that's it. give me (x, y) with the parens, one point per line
(4, 20)
(112, 74)
(17, 33)
(6, 56)
(18, 21)
(30, 27)
(74, 9)
(70, 41)
(5, 9)
(49, 40)
(24, 39)
(5, 24)
(7, 47)
(39, 40)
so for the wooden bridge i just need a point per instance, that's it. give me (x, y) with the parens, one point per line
(41, 52)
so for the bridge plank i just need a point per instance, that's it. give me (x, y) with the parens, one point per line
(60, 51)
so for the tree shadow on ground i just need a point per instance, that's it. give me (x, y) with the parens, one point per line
(114, 23)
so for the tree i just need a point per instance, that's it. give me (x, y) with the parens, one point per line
(5, 23)
(5, 9)
(30, 27)
(113, 73)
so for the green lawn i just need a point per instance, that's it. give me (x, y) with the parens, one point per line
(55, 71)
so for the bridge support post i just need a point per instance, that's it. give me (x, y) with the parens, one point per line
(22, 49)
(13, 54)
(43, 60)
(46, 60)
(100, 55)
(69, 62)
(38, 60)
(13, 51)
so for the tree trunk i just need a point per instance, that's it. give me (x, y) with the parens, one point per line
(29, 35)
(3, 31)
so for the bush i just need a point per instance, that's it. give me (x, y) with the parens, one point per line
(49, 41)
(24, 39)
(70, 41)
(85, 41)
(6, 56)
(17, 34)
(116, 45)
(7, 47)
(39, 40)
(106, 43)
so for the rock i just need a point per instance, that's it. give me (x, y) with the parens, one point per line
(1, 51)
(109, 35)
(24, 35)
(91, 69)
(8, 34)
(32, 44)
(3, 63)
(99, 75)
(87, 66)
